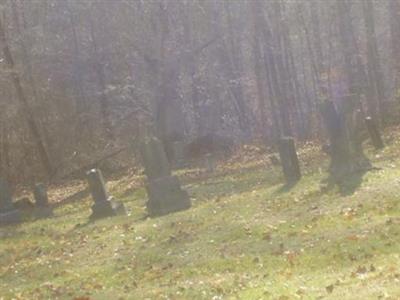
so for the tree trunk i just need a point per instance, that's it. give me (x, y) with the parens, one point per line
(34, 129)
(376, 88)
(312, 122)
(257, 18)
(169, 117)
(394, 17)
(281, 71)
(81, 101)
(281, 121)
(100, 72)
(230, 59)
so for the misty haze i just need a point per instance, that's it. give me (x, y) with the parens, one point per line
(199, 149)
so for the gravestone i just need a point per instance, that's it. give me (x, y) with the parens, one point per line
(339, 148)
(374, 133)
(289, 159)
(8, 213)
(345, 144)
(104, 205)
(164, 190)
(155, 159)
(210, 162)
(43, 208)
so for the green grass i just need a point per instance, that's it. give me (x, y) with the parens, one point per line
(244, 238)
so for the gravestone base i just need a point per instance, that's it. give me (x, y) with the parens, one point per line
(109, 208)
(10, 217)
(166, 196)
(42, 212)
(24, 205)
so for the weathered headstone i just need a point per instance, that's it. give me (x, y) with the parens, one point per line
(210, 162)
(345, 144)
(164, 190)
(289, 159)
(339, 149)
(155, 159)
(374, 133)
(104, 205)
(40, 194)
(8, 213)
(43, 208)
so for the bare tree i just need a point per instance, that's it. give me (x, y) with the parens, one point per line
(24, 104)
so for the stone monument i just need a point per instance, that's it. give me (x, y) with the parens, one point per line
(104, 205)
(289, 160)
(164, 190)
(42, 207)
(8, 213)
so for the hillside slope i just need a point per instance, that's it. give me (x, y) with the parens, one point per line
(246, 237)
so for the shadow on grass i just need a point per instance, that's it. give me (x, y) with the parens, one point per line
(73, 198)
(347, 184)
(287, 187)
(203, 175)
(96, 220)
(129, 192)
(230, 186)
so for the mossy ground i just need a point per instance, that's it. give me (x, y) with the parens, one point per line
(246, 237)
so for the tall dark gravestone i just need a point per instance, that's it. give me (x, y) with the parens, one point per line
(42, 206)
(164, 190)
(339, 149)
(289, 159)
(155, 159)
(8, 213)
(374, 133)
(104, 205)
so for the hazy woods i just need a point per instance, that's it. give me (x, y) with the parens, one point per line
(82, 79)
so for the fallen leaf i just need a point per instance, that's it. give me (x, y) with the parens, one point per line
(330, 288)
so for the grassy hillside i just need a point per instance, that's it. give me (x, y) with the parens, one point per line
(246, 237)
